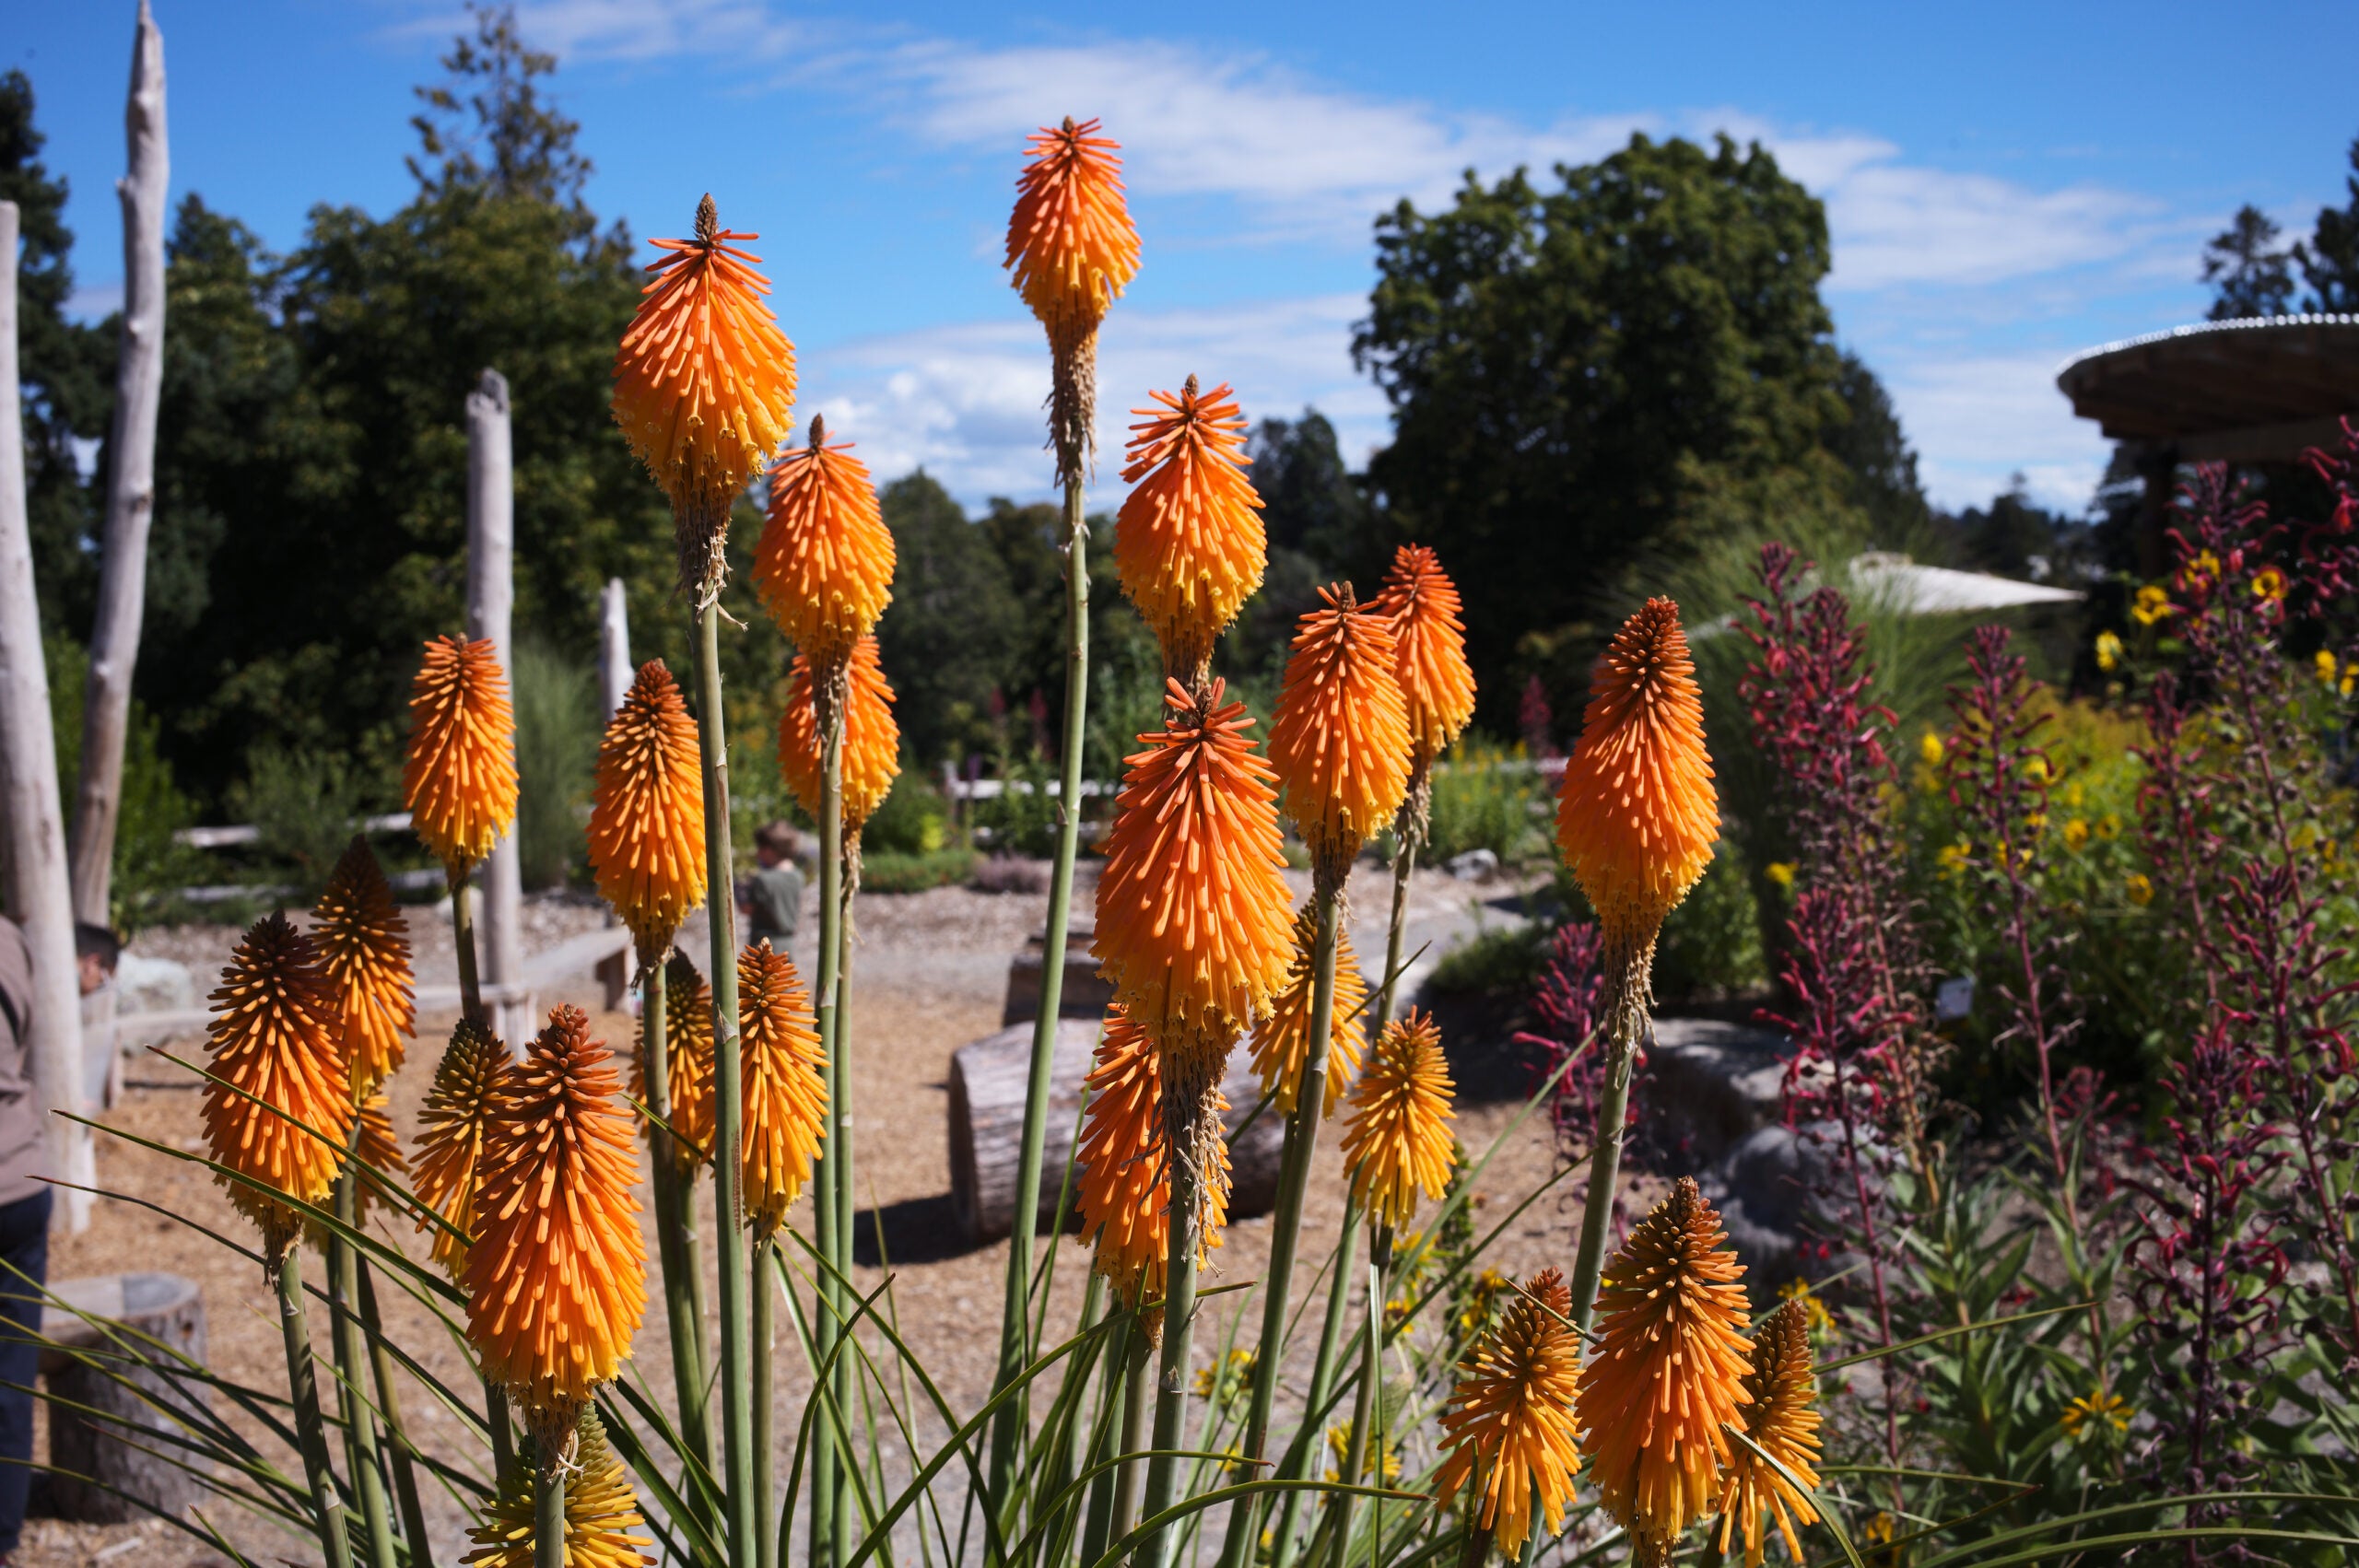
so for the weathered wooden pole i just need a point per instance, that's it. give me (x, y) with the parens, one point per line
(131, 480)
(33, 822)
(614, 669)
(491, 601)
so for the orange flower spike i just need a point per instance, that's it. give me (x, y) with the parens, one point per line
(1189, 541)
(872, 737)
(556, 1279)
(688, 1062)
(275, 1035)
(460, 780)
(786, 1099)
(1510, 1423)
(1637, 816)
(1340, 739)
(1124, 1191)
(1281, 1040)
(1668, 1372)
(704, 380)
(1069, 242)
(647, 812)
(1429, 651)
(452, 1124)
(1784, 1421)
(1399, 1139)
(364, 946)
(1194, 920)
(824, 567)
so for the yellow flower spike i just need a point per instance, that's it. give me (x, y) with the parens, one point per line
(824, 567)
(556, 1279)
(600, 1512)
(1399, 1140)
(452, 1124)
(459, 779)
(1124, 1191)
(1189, 541)
(275, 1035)
(363, 944)
(1429, 651)
(1283, 1037)
(786, 1099)
(704, 385)
(1667, 1373)
(1339, 740)
(647, 812)
(1508, 1425)
(872, 738)
(1784, 1421)
(687, 1064)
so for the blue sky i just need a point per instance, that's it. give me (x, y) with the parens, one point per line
(2005, 183)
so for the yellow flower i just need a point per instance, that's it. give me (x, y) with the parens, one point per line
(1953, 856)
(1509, 1423)
(2268, 584)
(2140, 890)
(2151, 605)
(1930, 747)
(1339, 1450)
(2076, 834)
(1227, 1380)
(2109, 651)
(599, 1513)
(1398, 1139)
(2108, 827)
(1878, 1529)
(1781, 872)
(1784, 1424)
(2088, 1416)
(2328, 667)
(1813, 1310)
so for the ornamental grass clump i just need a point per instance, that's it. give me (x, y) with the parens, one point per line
(704, 387)
(647, 814)
(786, 1093)
(824, 567)
(1398, 1140)
(1509, 1427)
(363, 944)
(1668, 1373)
(1282, 1040)
(1782, 1423)
(451, 1125)
(1189, 541)
(556, 1279)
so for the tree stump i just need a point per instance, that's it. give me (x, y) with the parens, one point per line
(1085, 992)
(988, 1079)
(105, 1388)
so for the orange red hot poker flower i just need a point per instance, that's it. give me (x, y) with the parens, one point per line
(689, 1104)
(1282, 1040)
(556, 1279)
(647, 812)
(872, 738)
(1508, 1426)
(824, 568)
(786, 1099)
(1070, 242)
(1340, 739)
(459, 779)
(451, 1125)
(363, 944)
(1189, 541)
(1123, 1193)
(1399, 1140)
(1421, 604)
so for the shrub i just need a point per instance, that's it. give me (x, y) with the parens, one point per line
(1022, 818)
(303, 802)
(557, 728)
(891, 870)
(1487, 797)
(910, 823)
(1497, 961)
(151, 865)
(1710, 946)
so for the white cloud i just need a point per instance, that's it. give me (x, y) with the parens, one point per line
(1977, 421)
(631, 29)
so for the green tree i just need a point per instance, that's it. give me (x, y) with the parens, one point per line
(2249, 273)
(65, 371)
(1320, 529)
(1875, 454)
(1588, 378)
(2329, 259)
(949, 636)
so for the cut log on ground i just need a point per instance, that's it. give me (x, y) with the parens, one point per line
(987, 1083)
(108, 1373)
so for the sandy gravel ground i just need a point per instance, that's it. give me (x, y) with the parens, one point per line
(930, 974)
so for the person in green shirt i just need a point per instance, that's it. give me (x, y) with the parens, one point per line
(771, 899)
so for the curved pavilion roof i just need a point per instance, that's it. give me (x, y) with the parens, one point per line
(2248, 390)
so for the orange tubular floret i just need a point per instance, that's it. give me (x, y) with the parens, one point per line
(275, 1035)
(704, 379)
(1069, 242)
(1340, 739)
(1189, 541)
(1421, 604)
(1124, 1191)
(1637, 816)
(556, 1279)
(1195, 922)
(460, 780)
(363, 944)
(824, 568)
(786, 1099)
(1281, 1040)
(872, 738)
(1510, 1423)
(647, 812)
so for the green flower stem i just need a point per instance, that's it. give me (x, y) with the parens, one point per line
(503, 1436)
(1404, 860)
(1013, 1349)
(303, 1390)
(828, 1463)
(1171, 1373)
(352, 1376)
(846, 1521)
(403, 1453)
(1098, 1519)
(1294, 1181)
(1322, 1379)
(1604, 1165)
(1368, 1404)
(463, 934)
(674, 1239)
(1135, 1405)
(548, 1511)
(765, 1346)
(728, 1171)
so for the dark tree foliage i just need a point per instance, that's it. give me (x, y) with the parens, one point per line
(1591, 375)
(65, 372)
(1876, 455)
(2012, 537)
(2330, 260)
(949, 635)
(1321, 529)
(2249, 273)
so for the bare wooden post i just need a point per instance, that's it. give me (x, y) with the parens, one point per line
(31, 819)
(131, 479)
(492, 599)
(615, 670)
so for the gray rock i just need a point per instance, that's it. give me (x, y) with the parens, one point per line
(1710, 1085)
(1781, 1192)
(153, 984)
(1474, 865)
